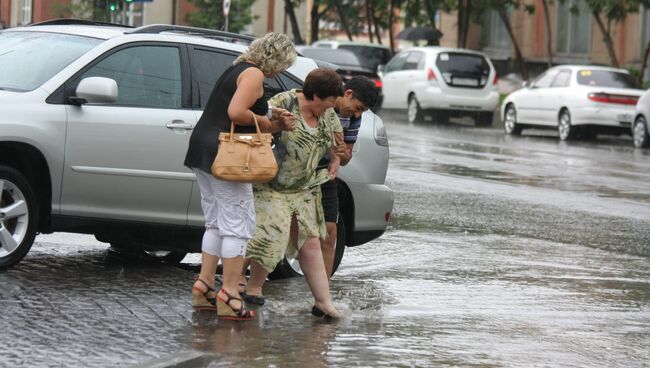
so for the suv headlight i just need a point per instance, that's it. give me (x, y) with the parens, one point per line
(380, 132)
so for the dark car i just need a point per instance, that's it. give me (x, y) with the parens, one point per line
(347, 62)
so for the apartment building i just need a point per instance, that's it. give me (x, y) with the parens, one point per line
(575, 37)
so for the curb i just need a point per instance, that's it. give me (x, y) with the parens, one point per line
(184, 359)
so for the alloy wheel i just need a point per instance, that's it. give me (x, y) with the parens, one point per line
(640, 133)
(510, 120)
(14, 217)
(564, 126)
(413, 110)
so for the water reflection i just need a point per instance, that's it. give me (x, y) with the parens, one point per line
(256, 343)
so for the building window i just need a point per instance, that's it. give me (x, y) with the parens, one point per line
(26, 12)
(573, 27)
(495, 35)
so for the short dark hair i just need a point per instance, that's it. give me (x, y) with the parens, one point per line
(324, 83)
(364, 90)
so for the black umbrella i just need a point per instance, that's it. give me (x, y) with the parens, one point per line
(420, 33)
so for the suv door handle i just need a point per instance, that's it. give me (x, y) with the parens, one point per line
(179, 124)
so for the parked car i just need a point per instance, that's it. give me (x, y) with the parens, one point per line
(348, 65)
(370, 55)
(640, 131)
(94, 128)
(577, 100)
(443, 81)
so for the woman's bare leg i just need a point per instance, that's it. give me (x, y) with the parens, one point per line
(311, 262)
(208, 270)
(256, 279)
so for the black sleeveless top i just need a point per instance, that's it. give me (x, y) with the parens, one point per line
(204, 140)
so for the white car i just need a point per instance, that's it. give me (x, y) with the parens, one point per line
(640, 126)
(578, 100)
(443, 80)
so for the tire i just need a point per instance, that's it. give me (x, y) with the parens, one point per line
(133, 250)
(414, 112)
(340, 244)
(18, 216)
(484, 119)
(640, 133)
(565, 130)
(290, 266)
(510, 125)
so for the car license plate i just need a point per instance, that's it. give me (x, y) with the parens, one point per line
(465, 82)
(625, 118)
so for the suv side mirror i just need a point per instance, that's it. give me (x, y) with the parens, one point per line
(95, 90)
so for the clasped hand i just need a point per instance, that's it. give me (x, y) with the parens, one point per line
(285, 118)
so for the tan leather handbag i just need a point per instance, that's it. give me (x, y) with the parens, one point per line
(245, 157)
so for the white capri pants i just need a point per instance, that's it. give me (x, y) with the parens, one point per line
(229, 214)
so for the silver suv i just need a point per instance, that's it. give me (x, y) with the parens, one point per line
(95, 124)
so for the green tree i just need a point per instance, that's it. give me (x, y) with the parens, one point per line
(210, 15)
(608, 12)
(503, 8)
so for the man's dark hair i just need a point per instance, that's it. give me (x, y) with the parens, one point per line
(323, 83)
(364, 90)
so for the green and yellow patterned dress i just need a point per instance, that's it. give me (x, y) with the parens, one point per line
(296, 188)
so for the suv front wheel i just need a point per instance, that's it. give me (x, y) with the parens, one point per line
(18, 216)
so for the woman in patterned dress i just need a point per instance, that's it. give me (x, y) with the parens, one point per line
(294, 196)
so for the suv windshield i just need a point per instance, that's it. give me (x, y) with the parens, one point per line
(28, 59)
(605, 78)
(369, 56)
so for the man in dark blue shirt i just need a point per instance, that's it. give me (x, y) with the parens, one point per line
(360, 95)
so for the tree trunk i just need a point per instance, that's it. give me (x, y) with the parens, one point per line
(464, 12)
(503, 14)
(549, 34)
(644, 65)
(375, 21)
(431, 11)
(391, 19)
(344, 21)
(607, 38)
(369, 20)
(315, 20)
(288, 8)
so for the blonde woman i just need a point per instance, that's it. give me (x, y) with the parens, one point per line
(228, 206)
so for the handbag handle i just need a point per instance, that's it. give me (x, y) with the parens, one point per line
(257, 129)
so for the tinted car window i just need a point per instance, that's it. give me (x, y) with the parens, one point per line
(289, 83)
(334, 56)
(563, 79)
(148, 76)
(272, 87)
(369, 56)
(463, 70)
(466, 64)
(545, 80)
(413, 61)
(397, 63)
(29, 59)
(207, 67)
(605, 78)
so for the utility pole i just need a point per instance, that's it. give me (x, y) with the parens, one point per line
(226, 11)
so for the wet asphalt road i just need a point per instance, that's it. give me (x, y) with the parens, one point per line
(503, 252)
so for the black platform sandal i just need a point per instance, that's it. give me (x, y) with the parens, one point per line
(204, 300)
(226, 311)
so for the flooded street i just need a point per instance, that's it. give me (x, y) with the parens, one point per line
(502, 252)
